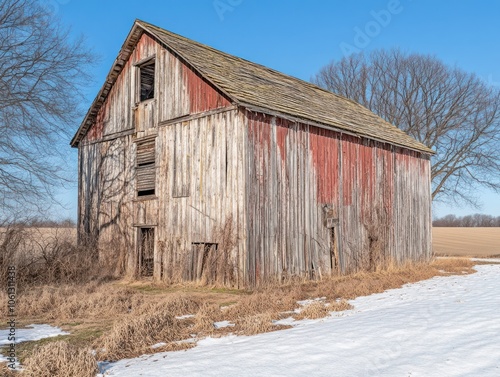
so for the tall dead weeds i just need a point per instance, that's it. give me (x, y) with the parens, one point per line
(60, 359)
(136, 335)
(47, 256)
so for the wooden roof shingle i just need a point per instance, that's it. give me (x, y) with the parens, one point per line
(252, 85)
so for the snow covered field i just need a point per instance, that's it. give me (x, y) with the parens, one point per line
(445, 326)
(30, 333)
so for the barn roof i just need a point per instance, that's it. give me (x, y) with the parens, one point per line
(257, 87)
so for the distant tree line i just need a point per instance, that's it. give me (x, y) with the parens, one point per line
(38, 222)
(476, 220)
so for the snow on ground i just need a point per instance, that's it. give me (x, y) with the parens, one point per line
(445, 326)
(488, 260)
(30, 333)
(222, 324)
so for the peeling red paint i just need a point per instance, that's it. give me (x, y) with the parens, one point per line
(260, 128)
(324, 147)
(202, 96)
(259, 132)
(349, 169)
(282, 128)
(366, 179)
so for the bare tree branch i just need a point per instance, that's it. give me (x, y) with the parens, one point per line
(447, 109)
(42, 74)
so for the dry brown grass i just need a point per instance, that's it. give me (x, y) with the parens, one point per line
(339, 306)
(175, 303)
(257, 323)
(47, 256)
(473, 242)
(453, 265)
(320, 308)
(153, 320)
(60, 359)
(366, 283)
(124, 320)
(314, 310)
(67, 302)
(136, 335)
(5, 371)
(276, 299)
(205, 318)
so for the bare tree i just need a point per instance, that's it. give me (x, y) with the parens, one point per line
(42, 74)
(447, 109)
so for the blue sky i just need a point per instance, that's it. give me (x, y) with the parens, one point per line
(299, 37)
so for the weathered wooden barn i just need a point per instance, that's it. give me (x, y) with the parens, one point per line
(198, 165)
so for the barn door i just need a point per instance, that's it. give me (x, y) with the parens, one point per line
(146, 251)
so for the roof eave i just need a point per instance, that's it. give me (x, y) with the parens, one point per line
(337, 127)
(123, 55)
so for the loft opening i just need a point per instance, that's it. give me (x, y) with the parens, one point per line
(147, 80)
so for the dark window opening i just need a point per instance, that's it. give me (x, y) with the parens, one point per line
(146, 192)
(146, 251)
(147, 81)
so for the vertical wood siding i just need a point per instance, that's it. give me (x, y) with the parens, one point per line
(183, 91)
(105, 200)
(296, 173)
(257, 191)
(211, 178)
(199, 172)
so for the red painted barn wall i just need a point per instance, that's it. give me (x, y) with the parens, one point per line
(324, 148)
(202, 96)
(183, 91)
(379, 193)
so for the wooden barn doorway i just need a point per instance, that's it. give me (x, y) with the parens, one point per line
(146, 251)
